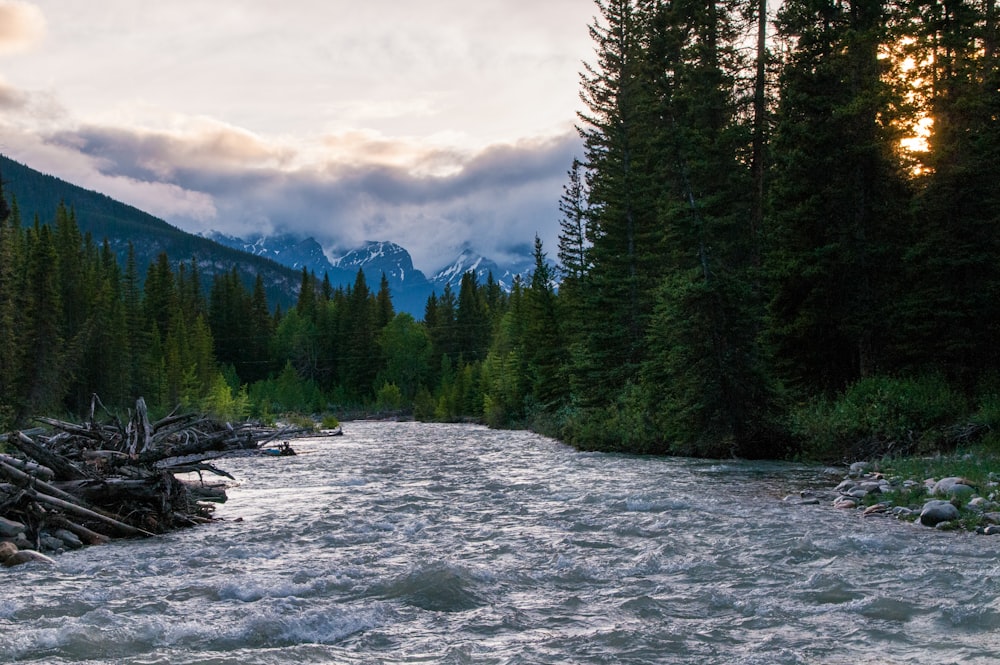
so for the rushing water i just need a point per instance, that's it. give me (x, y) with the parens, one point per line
(409, 543)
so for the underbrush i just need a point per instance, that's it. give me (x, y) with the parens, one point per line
(879, 416)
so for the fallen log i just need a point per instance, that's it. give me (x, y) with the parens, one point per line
(36, 470)
(62, 467)
(71, 507)
(83, 533)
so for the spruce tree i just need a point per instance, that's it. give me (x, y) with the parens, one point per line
(837, 196)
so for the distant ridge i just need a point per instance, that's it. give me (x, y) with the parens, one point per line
(105, 218)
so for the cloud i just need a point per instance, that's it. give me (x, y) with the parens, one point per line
(11, 99)
(22, 25)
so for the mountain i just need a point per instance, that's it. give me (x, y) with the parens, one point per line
(409, 286)
(288, 250)
(102, 218)
(521, 265)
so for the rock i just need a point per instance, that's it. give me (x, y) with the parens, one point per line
(871, 486)
(936, 511)
(991, 517)
(858, 468)
(7, 550)
(858, 493)
(990, 530)
(953, 486)
(10, 528)
(977, 503)
(27, 556)
(846, 485)
(875, 509)
(806, 499)
(50, 542)
(902, 512)
(68, 538)
(844, 502)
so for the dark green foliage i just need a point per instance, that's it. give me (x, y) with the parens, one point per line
(749, 262)
(878, 416)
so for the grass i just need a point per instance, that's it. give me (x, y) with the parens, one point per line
(979, 465)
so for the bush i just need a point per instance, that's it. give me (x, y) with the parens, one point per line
(878, 416)
(389, 397)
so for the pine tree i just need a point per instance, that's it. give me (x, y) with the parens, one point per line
(950, 317)
(472, 325)
(837, 196)
(360, 348)
(544, 349)
(10, 287)
(622, 230)
(383, 304)
(41, 349)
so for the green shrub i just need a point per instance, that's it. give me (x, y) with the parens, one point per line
(878, 416)
(389, 397)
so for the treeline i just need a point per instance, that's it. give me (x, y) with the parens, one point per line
(781, 238)
(73, 322)
(783, 234)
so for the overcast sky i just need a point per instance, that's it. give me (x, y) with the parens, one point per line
(432, 124)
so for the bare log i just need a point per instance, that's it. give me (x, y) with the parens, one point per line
(72, 428)
(70, 507)
(62, 467)
(83, 533)
(139, 431)
(18, 476)
(32, 468)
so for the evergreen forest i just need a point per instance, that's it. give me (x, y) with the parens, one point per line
(782, 238)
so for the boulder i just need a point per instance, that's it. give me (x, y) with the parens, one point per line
(10, 528)
(953, 486)
(936, 511)
(7, 550)
(68, 538)
(27, 556)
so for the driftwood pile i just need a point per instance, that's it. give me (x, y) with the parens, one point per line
(70, 485)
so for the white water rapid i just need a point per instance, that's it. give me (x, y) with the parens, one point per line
(414, 543)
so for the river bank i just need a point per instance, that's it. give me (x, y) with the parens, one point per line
(946, 492)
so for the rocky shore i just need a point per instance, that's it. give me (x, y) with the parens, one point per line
(942, 503)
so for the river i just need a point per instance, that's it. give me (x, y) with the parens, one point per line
(415, 543)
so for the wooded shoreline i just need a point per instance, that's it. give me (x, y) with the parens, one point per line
(73, 484)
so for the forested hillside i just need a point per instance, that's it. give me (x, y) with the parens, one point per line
(100, 216)
(781, 239)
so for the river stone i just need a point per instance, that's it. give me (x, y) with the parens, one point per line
(858, 468)
(871, 486)
(7, 550)
(953, 486)
(27, 556)
(846, 485)
(69, 538)
(936, 511)
(10, 528)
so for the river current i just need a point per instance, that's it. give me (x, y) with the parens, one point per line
(415, 543)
